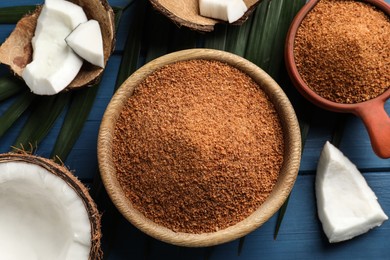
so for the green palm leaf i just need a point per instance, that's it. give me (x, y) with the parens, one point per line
(45, 112)
(9, 86)
(132, 50)
(237, 37)
(80, 106)
(286, 15)
(13, 14)
(217, 38)
(158, 42)
(14, 111)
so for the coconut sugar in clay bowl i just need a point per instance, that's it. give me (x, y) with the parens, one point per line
(195, 138)
(368, 105)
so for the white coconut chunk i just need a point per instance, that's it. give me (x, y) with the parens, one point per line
(347, 207)
(41, 216)
(226, 10)
(86, 40)
(54, 63)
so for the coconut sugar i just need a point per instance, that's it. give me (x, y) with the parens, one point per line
(198, 146)
(342, 51)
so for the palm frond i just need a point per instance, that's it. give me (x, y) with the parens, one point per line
(132, 49)
(12, 14)
(158, 41)
(44, 114)
(10, 86)
(282, 212)
(217, 38)
(14, 111)
(80, 106)
(183, 38)
(264, 30)
(237, 38)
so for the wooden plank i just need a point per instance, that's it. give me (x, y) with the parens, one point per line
(356, 145)
(301, 235)
(354, 142)
(368, 246)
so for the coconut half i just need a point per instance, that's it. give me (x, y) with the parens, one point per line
(54, 63)
(46, 212)
(16, 51)
(186, 13)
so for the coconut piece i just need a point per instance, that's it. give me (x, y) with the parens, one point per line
(54, 64)
(86, 41)
(186, 13)
(347, 207)
(46, 213)
(226, 10)
(16, 51)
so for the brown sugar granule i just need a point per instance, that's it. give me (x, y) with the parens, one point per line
(198, 146)
(342, 51)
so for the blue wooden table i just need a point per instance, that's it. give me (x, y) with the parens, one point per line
(300, 235)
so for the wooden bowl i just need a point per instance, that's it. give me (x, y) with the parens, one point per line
(372, 112)
(282, 189)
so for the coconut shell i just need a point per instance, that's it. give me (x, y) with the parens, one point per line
(186, 13)
(16, 51)
(62, 172)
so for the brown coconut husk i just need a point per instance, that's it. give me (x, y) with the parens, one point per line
(96, 252)
(186, 13)
(16, 51)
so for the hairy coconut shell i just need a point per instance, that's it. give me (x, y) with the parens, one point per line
(186, 13)
(16, 51)
(62, 172)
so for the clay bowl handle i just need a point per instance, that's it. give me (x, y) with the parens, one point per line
(377, 122)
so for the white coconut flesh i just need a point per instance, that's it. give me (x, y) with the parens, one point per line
(226, 10)
(54, 64)
(347, 206)
(86, 40)
(41, 216)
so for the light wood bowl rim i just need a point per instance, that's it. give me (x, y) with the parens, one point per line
(275, 200)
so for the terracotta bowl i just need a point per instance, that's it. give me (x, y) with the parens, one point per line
(372, 112)
(282, 189)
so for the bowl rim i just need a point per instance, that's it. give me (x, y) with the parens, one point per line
(281, 191)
